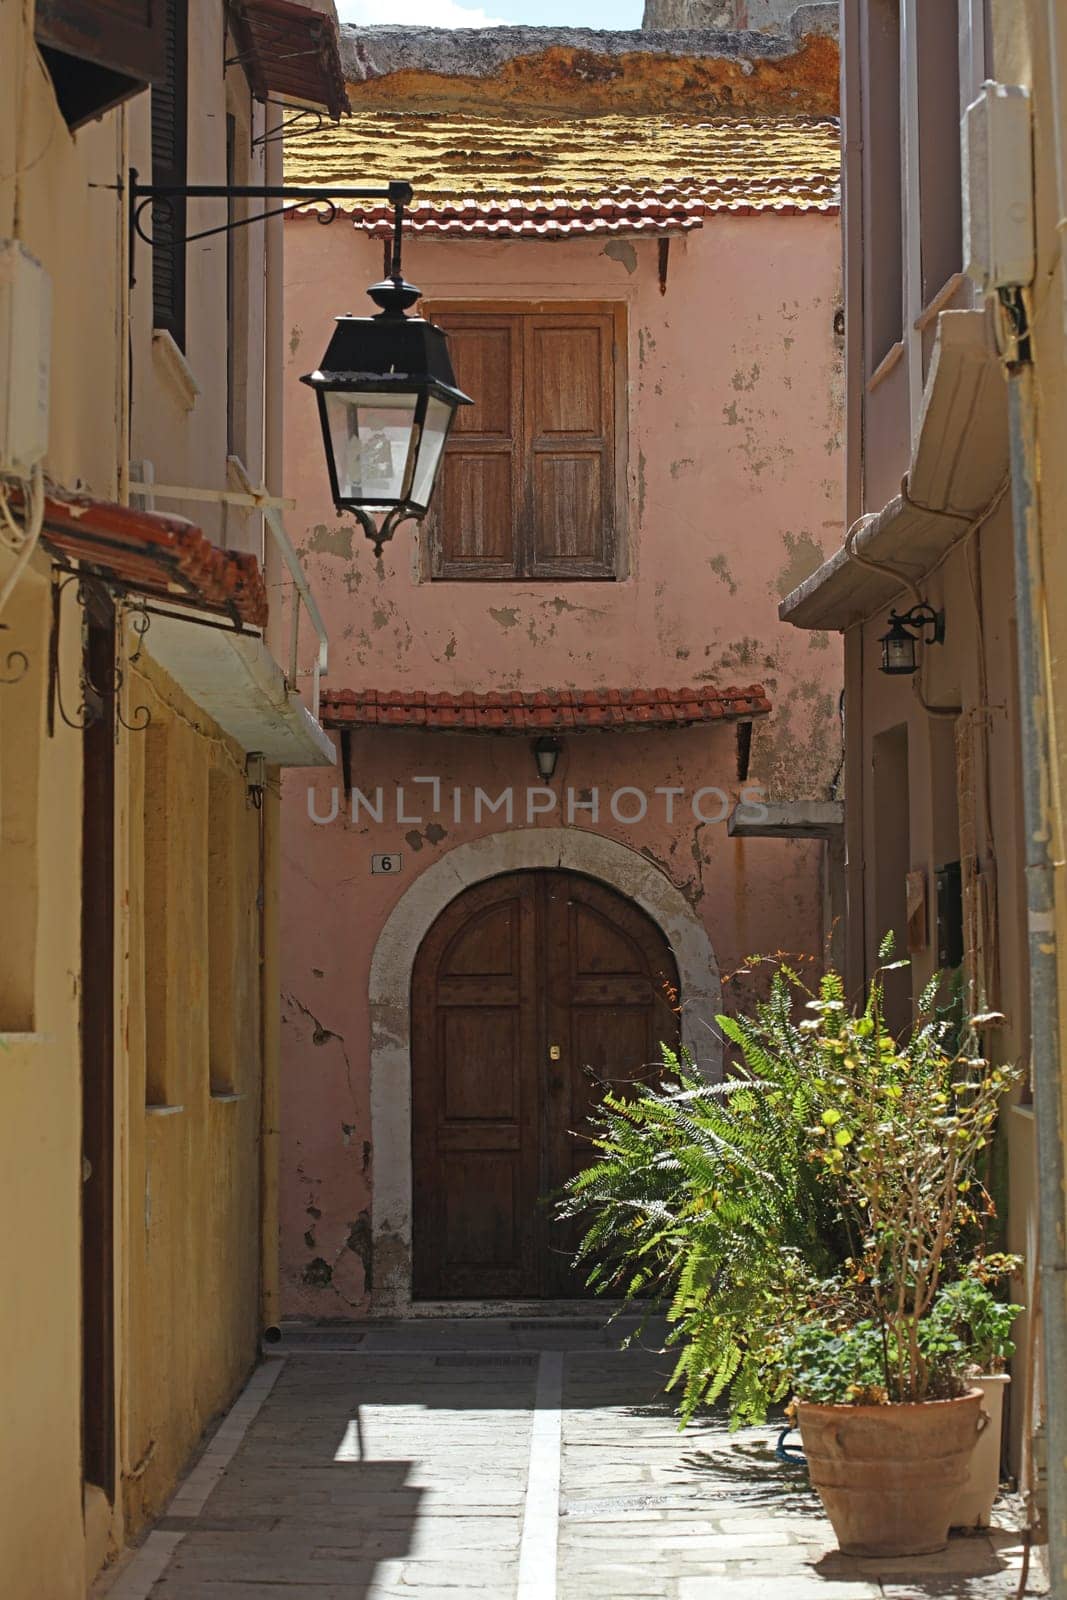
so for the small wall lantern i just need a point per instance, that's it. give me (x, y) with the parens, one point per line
(900, 656)
(387, 396)
(546, 754)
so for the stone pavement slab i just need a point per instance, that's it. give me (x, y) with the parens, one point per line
(500, 1460)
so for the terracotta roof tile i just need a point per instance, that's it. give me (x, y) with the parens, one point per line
(490, 176)
(156, 555)
(547, 711)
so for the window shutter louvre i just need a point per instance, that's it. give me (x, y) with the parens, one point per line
(169, 119)
(569, 429)
(478, 497)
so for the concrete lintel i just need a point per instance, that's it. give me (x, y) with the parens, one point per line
(793, 819)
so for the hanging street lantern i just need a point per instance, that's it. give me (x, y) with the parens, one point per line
(387, 397)
(900, 654)
(387, 393)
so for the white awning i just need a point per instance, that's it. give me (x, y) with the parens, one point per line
(236, 680)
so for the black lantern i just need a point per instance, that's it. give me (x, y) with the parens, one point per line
(387, 396)
(900, 655)
(546, 753)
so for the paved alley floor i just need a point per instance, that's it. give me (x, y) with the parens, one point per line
(504, 1460)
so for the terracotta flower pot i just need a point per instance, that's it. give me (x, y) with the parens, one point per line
(888, 1476)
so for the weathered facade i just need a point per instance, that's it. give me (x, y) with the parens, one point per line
(955, 423)
(138, 1011)
(640, 281)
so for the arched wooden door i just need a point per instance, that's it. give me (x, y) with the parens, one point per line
(522, 983)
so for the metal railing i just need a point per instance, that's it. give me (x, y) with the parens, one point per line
(271, 506)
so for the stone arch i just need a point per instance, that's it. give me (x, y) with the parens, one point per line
(564, 849)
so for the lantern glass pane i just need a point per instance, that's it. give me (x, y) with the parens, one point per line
(434, 433)
(370, 436)
(898, 654)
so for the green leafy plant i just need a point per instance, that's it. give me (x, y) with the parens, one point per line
(809, 1208)
(901, 1141)
(975, 1318)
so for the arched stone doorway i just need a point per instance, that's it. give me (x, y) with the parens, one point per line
(573, 849)
(531, 993)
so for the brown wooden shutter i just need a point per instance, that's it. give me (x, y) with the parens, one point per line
(99, 52)
(169, 140)
(569, 429)
(479, 496)
(528, 486)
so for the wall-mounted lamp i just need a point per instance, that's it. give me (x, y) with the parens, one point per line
(900, 655)
(546, 754)
(256, 778)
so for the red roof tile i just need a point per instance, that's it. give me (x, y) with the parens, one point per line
(548, 711)
(155, 555)
(526, 176)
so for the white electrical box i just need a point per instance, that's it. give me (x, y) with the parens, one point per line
(25, 358)
(998, 188)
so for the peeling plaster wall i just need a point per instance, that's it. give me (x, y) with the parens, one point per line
(734, 490)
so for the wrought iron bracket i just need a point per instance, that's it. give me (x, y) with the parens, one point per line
(142, 195)
(17, 663)
(380, 536)
(90, 592)
(919, 618)
(306, 121)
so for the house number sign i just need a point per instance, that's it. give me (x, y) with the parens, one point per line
(391, 863)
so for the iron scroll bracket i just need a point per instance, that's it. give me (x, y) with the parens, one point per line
(396, 194)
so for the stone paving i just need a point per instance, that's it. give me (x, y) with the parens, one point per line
(506, 1460)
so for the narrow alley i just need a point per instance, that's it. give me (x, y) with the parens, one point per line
(500, 1459)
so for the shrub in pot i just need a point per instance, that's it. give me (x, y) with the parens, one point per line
(831, 1183)
(887, 1411)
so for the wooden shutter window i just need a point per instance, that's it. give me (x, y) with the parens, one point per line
(570, 438)
(99, 52)
(479, 497)
(169, 166)
(527, 486)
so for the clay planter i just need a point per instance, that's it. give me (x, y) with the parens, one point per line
(973, 1505)
(889, 1476)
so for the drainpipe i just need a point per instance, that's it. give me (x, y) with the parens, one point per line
(269, 864)
(1041, 851)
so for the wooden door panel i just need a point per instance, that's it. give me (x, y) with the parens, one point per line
(486, 946)
(480, 1211)
(479, 1055)
(511, 968)
(610, 980)
(474, 1111)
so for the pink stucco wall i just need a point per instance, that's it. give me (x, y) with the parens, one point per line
(734, 494)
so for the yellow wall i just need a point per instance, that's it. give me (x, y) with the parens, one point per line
(1025, 52)
(192, 1182)
(187, 1188)
(41, 1547)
